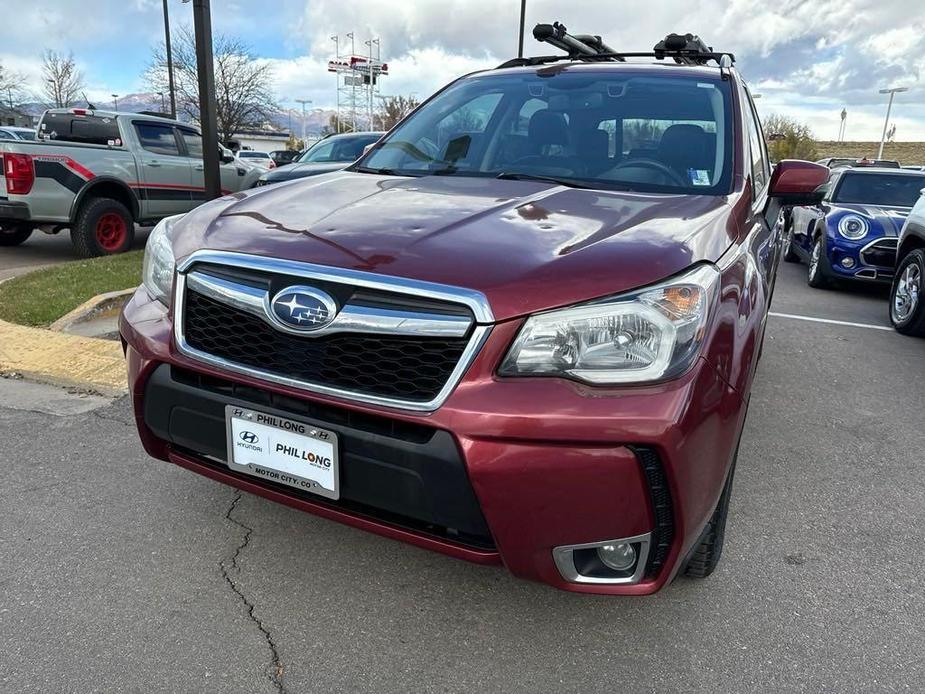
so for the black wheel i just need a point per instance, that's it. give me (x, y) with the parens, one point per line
(818, 265)
(14, 234)
(704, 558)
(907, 302)
(103, 227)
(788, 253)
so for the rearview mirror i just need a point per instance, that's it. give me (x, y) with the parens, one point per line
(796, 182)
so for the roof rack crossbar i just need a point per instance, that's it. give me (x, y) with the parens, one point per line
(684, 49)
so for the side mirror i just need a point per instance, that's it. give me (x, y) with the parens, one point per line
(796, 182)
(226, 157)
(367, 148)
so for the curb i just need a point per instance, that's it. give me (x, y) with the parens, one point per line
(85, 363)
(97, 304)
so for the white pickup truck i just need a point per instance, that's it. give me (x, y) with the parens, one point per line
(98, 173)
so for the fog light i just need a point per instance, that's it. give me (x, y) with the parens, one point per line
(847, 263)
(619, 557)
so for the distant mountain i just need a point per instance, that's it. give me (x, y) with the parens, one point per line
(315, 120)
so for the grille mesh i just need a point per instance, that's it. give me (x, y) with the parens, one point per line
(407, 368)
(663, 532)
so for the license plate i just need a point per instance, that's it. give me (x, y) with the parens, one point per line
(281, 450)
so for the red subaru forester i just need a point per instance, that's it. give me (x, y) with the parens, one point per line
(522, 329)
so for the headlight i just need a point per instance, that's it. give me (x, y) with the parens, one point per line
(159, 264)
(852, 227)
(650, 335)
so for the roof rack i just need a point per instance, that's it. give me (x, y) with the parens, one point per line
(684, 49)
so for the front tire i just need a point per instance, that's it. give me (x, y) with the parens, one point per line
(14, 234)
(704, 558)
(789, 254)
(103, 227)
(907, 302)
(816, 274)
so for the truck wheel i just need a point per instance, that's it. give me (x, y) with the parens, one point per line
(704, 558)
(103, 227)
(14, 234)
(816, 274)
(907, 297)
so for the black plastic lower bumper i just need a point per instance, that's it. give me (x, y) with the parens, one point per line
(14, 211)
(406, 474)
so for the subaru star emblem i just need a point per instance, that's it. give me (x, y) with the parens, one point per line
(302, 308)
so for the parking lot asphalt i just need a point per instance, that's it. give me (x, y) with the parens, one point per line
(43, 249)
(120, 573)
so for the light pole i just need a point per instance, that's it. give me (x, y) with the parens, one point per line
(523, 18)
(303, 102)
(886, 123)
(163, 105)
(173, 98)
(115, 102)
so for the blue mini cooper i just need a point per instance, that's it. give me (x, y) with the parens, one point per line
(852, 234)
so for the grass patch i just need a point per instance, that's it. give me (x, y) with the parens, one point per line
(43, 296)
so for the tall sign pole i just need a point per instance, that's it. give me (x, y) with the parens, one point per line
(523, 19)
(173, 98)
(208, 119)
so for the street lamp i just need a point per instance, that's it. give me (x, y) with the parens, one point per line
(303, 102)
(115, 102)
(886, 123)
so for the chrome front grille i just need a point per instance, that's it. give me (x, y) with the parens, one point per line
(392, 341)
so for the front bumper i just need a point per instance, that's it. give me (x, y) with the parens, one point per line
(868, 260)
(542, 463)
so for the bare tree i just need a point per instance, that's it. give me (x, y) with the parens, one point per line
(11, 85)
(62, 83)
(243, 85)
(394, 108)
(788, 138)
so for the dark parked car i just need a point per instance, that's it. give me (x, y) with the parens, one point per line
(907, 298)
(852, 233)
(281, 157)
(332, 153)
(521, 330)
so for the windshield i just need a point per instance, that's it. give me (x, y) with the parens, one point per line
(889, 190)
(254, 155)
(602, 129)
(340, 149)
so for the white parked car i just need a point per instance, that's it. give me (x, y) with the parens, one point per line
(261, 159)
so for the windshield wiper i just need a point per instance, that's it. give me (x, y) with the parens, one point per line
(517, 176)
(381, 172)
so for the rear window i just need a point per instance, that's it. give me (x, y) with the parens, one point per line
(896, 190)
(88, 129)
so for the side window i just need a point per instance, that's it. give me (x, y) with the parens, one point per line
(756, 146)
(193, 142)
(157, 138)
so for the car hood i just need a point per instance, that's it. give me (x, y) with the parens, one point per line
(302, 170)
(890, 219)
(528, 246)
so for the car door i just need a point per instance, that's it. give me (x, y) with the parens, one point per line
(232, 173)
(166, 174)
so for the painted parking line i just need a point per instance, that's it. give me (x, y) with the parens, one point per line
(813, 319)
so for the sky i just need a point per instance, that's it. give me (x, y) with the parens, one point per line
(808, 60)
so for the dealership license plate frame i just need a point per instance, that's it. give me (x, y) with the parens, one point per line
(273, 467)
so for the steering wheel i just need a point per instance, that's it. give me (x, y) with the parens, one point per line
(653, 165)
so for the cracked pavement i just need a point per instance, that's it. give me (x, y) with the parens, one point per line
(123, 574)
